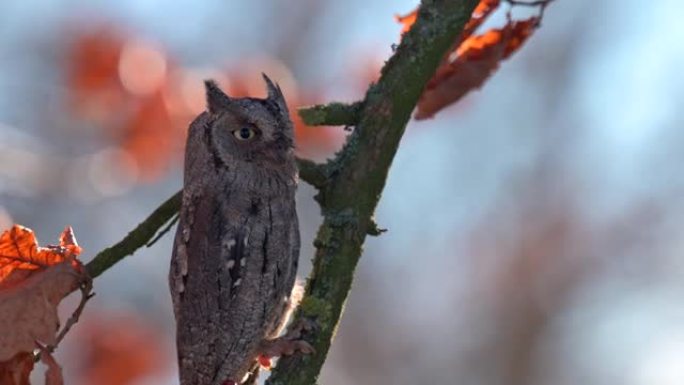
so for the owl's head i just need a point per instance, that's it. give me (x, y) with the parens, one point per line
(252, 130)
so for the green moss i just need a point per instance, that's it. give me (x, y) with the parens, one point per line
(317, 309)
(333, 114)
(324, 236)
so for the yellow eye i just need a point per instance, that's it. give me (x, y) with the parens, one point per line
(244, 133)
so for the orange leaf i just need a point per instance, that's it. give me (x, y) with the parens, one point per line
(477, 58)
(53, 374)
(17, 370)
(28, 313)
(407, 20)
(19, 250)
(483, 9)
(480, 14)
(33, 280)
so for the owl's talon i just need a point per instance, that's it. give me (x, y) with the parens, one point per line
(282, 347)
(299, 327)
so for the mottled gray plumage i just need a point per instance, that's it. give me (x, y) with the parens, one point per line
(237, 245)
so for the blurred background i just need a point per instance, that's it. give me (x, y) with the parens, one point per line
(534, 228)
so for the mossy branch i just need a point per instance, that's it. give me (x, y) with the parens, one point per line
(333, 114)
(136, 239)
(312, 173)
(358, 175)
(350, 185)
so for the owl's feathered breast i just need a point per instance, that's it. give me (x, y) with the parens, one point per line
(234, 261)
(240, 250)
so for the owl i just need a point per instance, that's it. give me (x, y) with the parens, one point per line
(236, 249)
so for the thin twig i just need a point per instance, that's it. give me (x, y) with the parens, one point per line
(332, 114)
(86, 288)
(136, 239)
(53, 374)
(542, 4)
(162, 232)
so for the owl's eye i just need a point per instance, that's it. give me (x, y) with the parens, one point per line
(244, 133)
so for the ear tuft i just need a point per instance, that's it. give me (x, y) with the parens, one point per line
(216, 98)
(275, 94)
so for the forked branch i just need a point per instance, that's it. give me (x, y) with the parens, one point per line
(350, 185)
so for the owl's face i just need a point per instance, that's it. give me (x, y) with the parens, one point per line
(257, 131)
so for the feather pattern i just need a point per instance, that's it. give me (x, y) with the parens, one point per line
(236, 249)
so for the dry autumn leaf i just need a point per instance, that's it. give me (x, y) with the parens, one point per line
(476, 59)
(16, 370)
(19, 251)
(471, 59)
(33, 280)
(480, 14)
(53, 374)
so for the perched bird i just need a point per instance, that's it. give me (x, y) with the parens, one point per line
(236, 249)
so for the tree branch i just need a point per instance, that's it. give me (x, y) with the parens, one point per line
(350, 185)
(136, 239)
(312, 173)
(333, 114)
(359, 172)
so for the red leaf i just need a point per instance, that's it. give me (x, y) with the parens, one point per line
(407, 20)
(480, 14)
(17, 370)
(19, 250)
(33, 280)
(53, 374)
(476, 59)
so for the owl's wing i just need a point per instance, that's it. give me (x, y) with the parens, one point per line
(209, 251)
(207, 256)
(235, 262)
